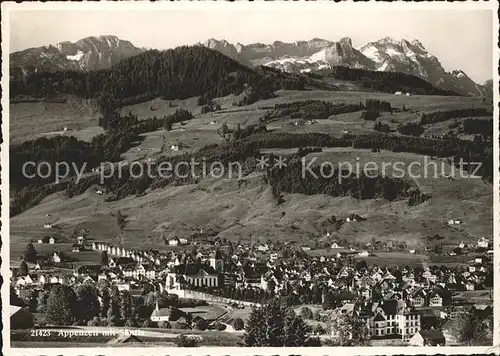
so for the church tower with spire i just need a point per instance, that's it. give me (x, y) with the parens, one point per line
(217, 261)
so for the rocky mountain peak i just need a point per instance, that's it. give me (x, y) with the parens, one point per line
(458, 73)
(89, 53)
(388, 40)
(346, 41)
(418, 44)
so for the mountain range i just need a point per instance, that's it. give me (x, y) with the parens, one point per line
(385, 54)
(316, 55)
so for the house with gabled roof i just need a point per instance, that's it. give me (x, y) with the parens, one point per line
(430, 337)
(25, 280)
(483, 242)
(160, 314)
(376, 276)
(438, 297)
(365, 292)
(392, 295)
(57, 256)
(417, 297)
(88, 280)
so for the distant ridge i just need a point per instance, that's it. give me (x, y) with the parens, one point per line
(313, 56)
(386, 54)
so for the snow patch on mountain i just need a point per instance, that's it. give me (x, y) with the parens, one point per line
(392, 52)
(77, 56)
(372, 53)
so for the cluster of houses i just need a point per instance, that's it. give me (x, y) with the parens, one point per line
(411, 308)
(394, 302)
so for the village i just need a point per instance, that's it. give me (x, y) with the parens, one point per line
(221, 283)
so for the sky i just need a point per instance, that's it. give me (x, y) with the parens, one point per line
(459, 39)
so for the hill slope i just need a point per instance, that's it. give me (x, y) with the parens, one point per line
(246, 209)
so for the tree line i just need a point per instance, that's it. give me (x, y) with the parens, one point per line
(290, 179)
(313, 109)
(388, 82)
(439, 116)
(478, 127)
(470, 126)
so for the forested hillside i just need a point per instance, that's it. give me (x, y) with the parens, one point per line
(389, 82)
(173, 74)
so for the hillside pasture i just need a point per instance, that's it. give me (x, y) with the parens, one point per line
(29, 120)
(426, 103)
(246, 210)
(159, 107)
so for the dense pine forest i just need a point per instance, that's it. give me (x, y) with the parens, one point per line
(290, 180)
(313, 109)
(439, 116)
(478, 127)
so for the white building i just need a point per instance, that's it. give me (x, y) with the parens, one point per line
(200, 278)
(483, 242)
(177, 242)
(162, 314)
(392, 317)
(263, 248)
